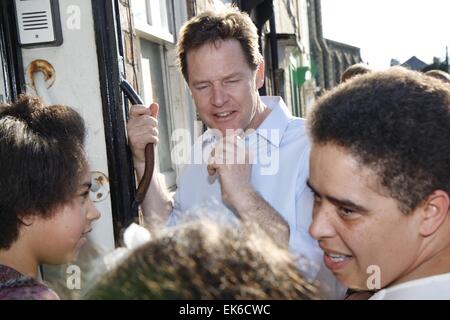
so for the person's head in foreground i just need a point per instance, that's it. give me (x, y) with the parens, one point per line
(202, 260)
(354, 70)
(45, 209)
(380, 171)
(218, 55)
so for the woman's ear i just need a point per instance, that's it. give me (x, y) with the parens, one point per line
(435, 211)
(27, 219)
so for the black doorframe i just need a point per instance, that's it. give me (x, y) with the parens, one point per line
(11, 52)
(115, 111)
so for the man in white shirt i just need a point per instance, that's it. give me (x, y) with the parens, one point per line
(380, 173)
(281, 147)
(219, 57)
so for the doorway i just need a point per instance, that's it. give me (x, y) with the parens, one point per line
(12, 79)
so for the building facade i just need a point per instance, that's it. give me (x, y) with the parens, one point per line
(330, 58)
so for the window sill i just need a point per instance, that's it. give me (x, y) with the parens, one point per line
(149, 32)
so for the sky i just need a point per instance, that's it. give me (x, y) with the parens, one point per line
(386, 29)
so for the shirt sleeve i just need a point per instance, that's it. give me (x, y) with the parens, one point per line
(31, 292)
(176, 208)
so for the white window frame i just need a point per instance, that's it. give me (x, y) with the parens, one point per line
(144, 12)
(147, 19)
(169, 175)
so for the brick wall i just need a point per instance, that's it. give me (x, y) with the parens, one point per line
(130, 43)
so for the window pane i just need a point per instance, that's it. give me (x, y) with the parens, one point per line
(163, 12)
(158, 13)
(140, 10)
(152, 71)
(149, 13)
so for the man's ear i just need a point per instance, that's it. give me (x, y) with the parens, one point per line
(260, 75)
(434, 211)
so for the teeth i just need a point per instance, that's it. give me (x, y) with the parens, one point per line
(336, 257)
(223, 114)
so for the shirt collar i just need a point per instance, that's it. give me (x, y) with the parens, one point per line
(277, 119)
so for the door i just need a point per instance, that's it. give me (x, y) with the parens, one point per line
(11, 69)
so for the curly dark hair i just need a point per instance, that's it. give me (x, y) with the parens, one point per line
(439, 74)
(41, 160)
(212, 26)
(204, 260)
(395, 122)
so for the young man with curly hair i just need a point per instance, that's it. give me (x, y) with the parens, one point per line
(380, 172)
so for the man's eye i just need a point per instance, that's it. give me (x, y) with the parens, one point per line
(317, 197)
(346, 212)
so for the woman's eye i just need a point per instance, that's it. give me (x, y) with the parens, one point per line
(84, 195)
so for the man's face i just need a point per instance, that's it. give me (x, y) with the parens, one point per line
(357, 225)
(224, 87)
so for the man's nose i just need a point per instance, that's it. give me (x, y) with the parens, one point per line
(219, 95)
(322, 225)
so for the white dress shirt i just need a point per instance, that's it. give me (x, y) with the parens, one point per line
(279, 176)
(429, 288)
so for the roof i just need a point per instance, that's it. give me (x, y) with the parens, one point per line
(414, 63)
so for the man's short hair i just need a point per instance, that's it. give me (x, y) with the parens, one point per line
(213, 26)
(396, 123)
(202, 260)
(41, 157)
